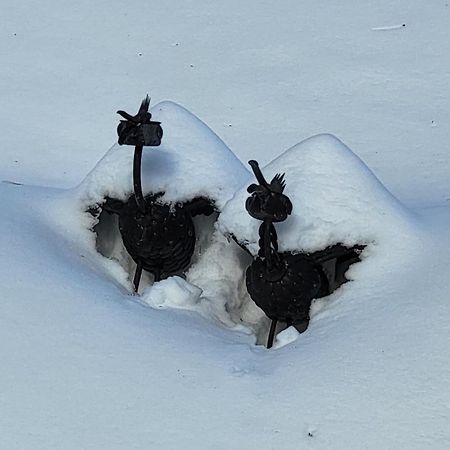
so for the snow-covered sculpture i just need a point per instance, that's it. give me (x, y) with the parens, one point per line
(160, 238)
(284, 284)
(187, 175)
(336, 200)
(339, 207)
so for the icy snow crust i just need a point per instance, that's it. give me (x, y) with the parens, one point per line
(335, 197)
(192, 161)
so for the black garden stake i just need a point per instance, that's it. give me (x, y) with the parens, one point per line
(284, 284)
(159, 237)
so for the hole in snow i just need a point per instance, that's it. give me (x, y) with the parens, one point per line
(214, 284)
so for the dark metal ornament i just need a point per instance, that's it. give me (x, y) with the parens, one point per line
(283, 285)
(159, 237)
(139, 129)
(160, 240)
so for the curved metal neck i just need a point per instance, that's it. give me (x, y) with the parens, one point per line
(137, 182)
(258, 174)
(270, 244)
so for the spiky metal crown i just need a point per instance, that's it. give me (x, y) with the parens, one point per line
(143, 116)
(277, 184)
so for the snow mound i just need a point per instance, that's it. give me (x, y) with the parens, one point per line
(192, 161)
(335, 197)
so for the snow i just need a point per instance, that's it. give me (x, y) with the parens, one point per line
(86, 365)
(335, 197)
(192, 161)
(285, 337)
(173, 292)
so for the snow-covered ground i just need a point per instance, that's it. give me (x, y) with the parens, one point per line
(86, 365)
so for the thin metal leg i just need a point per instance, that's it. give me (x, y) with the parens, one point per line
(157, 275)
(273, 326)
(137, 276)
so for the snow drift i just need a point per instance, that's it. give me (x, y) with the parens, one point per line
(192, 161)
(336, 199)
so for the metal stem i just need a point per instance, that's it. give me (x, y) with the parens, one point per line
(137, 275)
(156, 274)
(273, 326)
(137, 183)
(267, 247)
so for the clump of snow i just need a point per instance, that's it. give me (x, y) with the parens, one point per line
(285, 337)
(173, 292)
(192, 161)
(219, 271)
(335, 197)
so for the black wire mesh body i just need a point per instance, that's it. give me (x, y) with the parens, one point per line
(288, 297)
(161, 239)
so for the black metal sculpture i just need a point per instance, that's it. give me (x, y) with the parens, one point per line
(139, 130)
(159, 237)
(283, 285)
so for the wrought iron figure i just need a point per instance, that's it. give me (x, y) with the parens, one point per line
(159, 237)
(284, 284)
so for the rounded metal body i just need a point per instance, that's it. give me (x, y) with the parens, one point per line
(161, 239)
(285, 295)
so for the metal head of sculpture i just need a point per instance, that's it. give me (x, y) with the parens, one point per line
(268, 201)
(139, 129)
